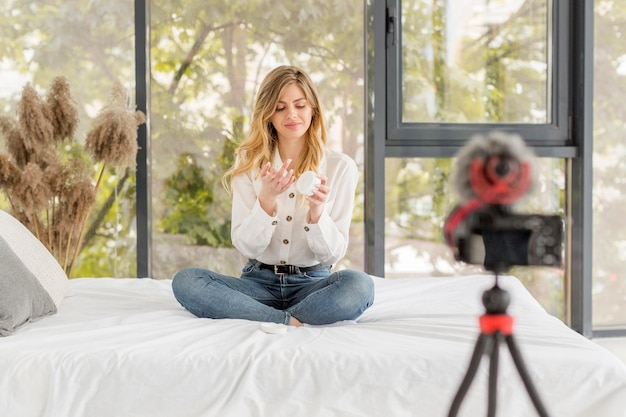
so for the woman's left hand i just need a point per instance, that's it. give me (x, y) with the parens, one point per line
(317, 200)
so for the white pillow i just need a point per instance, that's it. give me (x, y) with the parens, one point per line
(35, 257)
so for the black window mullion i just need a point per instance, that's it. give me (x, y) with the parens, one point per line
(142, 94)
(580, 172)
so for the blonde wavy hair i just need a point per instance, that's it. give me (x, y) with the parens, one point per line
(258, 148)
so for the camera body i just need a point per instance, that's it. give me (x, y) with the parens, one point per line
(499, 239)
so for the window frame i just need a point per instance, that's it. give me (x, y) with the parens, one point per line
(551, 139)
(570, 136)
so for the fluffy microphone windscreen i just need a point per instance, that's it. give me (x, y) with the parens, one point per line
(505, 145)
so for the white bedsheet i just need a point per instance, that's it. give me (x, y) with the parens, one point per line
(125, 348)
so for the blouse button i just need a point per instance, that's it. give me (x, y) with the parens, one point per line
(285, 241)
(306, 228)
(289, 218)
(274, 223)
(291, 195)
(283, 262)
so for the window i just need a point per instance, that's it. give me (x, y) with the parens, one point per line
(91, 45)
(457, 66)
(609, 189)
(407, 82)
(208, 60)
(475, 62)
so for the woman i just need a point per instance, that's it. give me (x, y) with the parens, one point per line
(291, 240)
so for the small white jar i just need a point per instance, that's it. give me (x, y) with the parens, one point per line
(307, 183)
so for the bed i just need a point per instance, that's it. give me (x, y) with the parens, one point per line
(112, 347)
(125, 347)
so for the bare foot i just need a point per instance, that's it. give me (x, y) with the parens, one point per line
(295, 322)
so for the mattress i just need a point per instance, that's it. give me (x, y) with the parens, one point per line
(125, 347)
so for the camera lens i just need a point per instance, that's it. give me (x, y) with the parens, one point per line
(502, 167)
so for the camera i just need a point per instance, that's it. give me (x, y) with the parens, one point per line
(491, 174)
(498, 240)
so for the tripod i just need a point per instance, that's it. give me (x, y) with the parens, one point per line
(495, 325)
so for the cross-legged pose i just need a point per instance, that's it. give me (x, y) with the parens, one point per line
(290, 237)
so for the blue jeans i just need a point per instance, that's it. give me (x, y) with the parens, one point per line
(315, 297)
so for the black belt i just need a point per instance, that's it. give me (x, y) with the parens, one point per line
(288, 269)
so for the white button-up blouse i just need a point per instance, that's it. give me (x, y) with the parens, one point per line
(286, 237)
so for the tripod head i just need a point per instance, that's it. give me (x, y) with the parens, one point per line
(496, 300)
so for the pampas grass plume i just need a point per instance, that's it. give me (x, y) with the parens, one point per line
(31, 193)
(10, 174)
(34, 123)
(113, 137)
(62, 109)
(15, 143)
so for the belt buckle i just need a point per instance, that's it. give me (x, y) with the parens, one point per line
(284, 269)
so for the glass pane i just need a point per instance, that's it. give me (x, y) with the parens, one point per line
(609, 169)
(418, 200)
(91, 45)
(208, 59)
(476, 61)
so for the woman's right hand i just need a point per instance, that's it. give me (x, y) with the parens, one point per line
(274, 183)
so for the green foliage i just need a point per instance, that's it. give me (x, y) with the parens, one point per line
(188, 199)
(419, 197)
(489, 75)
